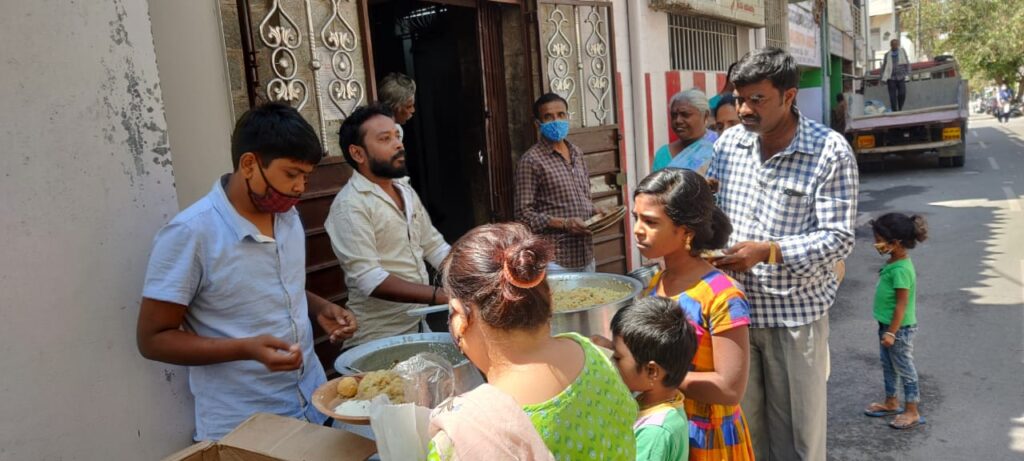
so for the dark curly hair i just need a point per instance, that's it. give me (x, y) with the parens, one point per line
(690, 202)
(898, 227)
(655, 329)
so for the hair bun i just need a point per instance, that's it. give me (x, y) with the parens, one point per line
(920, 228)
(525, 264)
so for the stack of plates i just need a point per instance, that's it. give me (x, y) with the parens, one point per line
(599, 223)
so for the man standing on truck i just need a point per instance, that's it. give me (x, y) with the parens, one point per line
(895, 69)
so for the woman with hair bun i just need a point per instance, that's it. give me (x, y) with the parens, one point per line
(547, 397)
(677, 219)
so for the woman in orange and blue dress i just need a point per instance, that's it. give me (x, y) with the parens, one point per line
(677, 219)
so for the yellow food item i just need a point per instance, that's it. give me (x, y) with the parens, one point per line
(578, 298)
(384, 382)
(348, 386)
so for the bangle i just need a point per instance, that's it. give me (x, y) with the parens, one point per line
(433, 297)
(772, 253)
(890, 334)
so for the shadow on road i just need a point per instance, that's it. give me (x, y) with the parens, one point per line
(964, 356)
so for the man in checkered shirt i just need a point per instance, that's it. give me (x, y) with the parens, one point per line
(789, 186)
(553, 189)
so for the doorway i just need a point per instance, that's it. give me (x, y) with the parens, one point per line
(438, 47)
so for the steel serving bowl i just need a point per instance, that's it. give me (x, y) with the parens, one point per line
(382, 354)
(595, 319)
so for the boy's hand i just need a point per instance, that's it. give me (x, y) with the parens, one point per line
(274, 353)
(888, 340)
(337, 321)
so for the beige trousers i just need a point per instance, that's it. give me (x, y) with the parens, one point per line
(785, 402)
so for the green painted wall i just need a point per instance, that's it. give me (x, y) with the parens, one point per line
(835, 79)
(810, 77)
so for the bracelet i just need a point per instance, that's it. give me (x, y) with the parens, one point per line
(433, 297)
(772, 253)
(890, 334)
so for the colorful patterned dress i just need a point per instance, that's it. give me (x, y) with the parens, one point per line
(591, 419)
(714, 305)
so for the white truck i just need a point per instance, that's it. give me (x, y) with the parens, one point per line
(933, 119)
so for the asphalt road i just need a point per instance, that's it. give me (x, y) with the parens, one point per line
(969, 350)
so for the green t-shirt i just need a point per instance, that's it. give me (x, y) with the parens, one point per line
(899, 274)
(663, 433)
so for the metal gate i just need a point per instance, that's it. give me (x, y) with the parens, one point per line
(577, 57)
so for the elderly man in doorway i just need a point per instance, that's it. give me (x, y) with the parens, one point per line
(789, 186)
(895, 70)
(553, 189)
(398, 92)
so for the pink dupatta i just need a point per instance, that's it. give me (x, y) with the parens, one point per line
(486, 423)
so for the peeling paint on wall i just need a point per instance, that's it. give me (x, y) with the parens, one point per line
(140, 134)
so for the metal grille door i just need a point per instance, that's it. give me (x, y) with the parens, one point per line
(701, 44)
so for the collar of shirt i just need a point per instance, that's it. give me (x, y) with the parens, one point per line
(363, 185)
(804, 142)
(239, 225)
(575, 154)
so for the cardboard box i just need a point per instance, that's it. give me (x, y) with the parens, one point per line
(266, 437)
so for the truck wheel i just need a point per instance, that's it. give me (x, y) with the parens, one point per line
(945, 162)
(957, 161)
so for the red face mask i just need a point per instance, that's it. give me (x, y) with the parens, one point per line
(273, 200)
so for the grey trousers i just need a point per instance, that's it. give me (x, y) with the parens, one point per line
(785, 402)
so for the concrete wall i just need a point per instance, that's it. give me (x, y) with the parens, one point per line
(86, 183)
(193, 78)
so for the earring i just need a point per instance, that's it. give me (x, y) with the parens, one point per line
(689, 240)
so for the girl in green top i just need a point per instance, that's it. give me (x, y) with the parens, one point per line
(896, 313)
(500, 318)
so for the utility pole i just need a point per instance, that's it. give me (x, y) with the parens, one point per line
(826, 66)
(920, 45)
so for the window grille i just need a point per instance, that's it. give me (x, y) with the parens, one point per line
(701, 44)
(776, 16)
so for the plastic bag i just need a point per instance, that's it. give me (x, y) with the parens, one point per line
(402, 431)
(429, 379)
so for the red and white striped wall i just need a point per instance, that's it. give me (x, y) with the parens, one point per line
(660, 87)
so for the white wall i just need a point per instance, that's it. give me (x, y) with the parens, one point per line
(193, 78)
(86, 183)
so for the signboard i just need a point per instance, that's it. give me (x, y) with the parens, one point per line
(803, 36)
(840, 15)
(745, 12)
(835, 41)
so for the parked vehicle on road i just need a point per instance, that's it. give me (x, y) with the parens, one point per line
(933, 119)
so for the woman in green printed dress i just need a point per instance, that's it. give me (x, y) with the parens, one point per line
(562, 388)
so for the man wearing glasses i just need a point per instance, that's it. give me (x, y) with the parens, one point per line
(553, 189)
(789, 186)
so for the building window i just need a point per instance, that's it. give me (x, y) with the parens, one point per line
(776, 15)
(701, 44)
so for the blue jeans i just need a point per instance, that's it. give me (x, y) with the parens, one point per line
(898, 363)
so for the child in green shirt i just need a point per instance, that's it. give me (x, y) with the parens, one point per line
(653, 345)
(896, 312)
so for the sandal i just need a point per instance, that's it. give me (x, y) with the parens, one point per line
(919, 421)
(877, 410)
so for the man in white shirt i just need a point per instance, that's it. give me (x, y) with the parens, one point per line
(381, 232)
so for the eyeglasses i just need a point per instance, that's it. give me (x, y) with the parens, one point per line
(756, 100)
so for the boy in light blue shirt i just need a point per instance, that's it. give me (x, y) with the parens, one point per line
(225, 286)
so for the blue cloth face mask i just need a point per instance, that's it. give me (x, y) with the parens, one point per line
(555, 130)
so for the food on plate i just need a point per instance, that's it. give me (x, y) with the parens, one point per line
(578, 298)
(384, 382)
(357, 408)
(348, 386)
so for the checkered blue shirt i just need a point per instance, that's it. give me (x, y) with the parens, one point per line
(805, 199)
